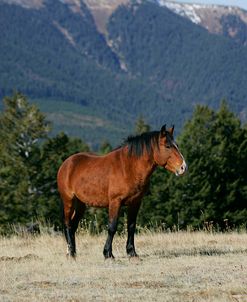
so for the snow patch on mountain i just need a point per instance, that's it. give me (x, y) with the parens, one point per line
(183, 9)
(197, 13)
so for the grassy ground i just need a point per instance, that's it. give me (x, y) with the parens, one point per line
(172, 267)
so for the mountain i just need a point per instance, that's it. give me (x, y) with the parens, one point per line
(95, 66)
(229, 21)
(53, 52)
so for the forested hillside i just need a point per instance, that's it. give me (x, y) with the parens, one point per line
(151, 62)
(234, 27)
(227, 20)
(189, 64)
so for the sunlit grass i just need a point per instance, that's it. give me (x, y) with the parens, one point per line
(180, 266)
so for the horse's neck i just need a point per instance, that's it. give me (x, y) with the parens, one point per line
(141, 167)
(146, 167)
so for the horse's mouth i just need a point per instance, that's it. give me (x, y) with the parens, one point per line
(179, 171)
(182, 170)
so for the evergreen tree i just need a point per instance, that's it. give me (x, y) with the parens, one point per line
(141, 126)
(214, 145)
(29, 162)
(215, 148)
(214, 189)
(22, 126)
(105, 147)
(153, 208)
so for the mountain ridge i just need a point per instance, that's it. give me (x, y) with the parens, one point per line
(207, 15)
(212, 17)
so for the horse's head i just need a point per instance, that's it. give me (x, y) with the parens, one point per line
(168, 154)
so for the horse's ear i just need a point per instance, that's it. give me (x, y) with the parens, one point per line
(163, 131)
(171, 130)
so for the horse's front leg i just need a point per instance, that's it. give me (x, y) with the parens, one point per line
(114, 208)
(132, 215)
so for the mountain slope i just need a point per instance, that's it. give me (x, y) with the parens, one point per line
(189, 63)
(53, 53)
(94, 79)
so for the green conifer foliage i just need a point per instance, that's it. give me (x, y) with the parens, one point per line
(29, 162)
(141, 126)
(22, 126)
(214, 189)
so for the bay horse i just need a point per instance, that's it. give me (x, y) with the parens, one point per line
(119, 178)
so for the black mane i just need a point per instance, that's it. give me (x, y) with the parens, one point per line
(143, 142)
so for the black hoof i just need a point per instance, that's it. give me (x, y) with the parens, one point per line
(71, 255)
(108, 255)
(132, 253)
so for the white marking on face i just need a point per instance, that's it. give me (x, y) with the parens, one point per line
(183, 166)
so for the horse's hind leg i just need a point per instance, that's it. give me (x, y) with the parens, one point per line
(73, 212)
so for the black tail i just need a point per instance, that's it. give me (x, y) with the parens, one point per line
(62, 216)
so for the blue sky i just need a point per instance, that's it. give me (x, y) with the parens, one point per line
(240, 3)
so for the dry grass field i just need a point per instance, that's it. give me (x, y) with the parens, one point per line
(180, 266)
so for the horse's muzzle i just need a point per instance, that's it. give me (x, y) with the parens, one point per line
(181, 170)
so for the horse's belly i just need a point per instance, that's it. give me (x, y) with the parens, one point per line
(92, 198)
(96, 203)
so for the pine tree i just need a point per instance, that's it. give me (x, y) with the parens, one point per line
(22, 126)
(214, 145)
(141, 126)
(29, 162)
(105, 147)
(214, 189)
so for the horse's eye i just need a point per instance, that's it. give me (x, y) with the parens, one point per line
(168, 146)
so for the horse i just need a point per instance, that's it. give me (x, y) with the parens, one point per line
(119, 178)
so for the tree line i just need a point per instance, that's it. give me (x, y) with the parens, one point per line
(214, 191)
